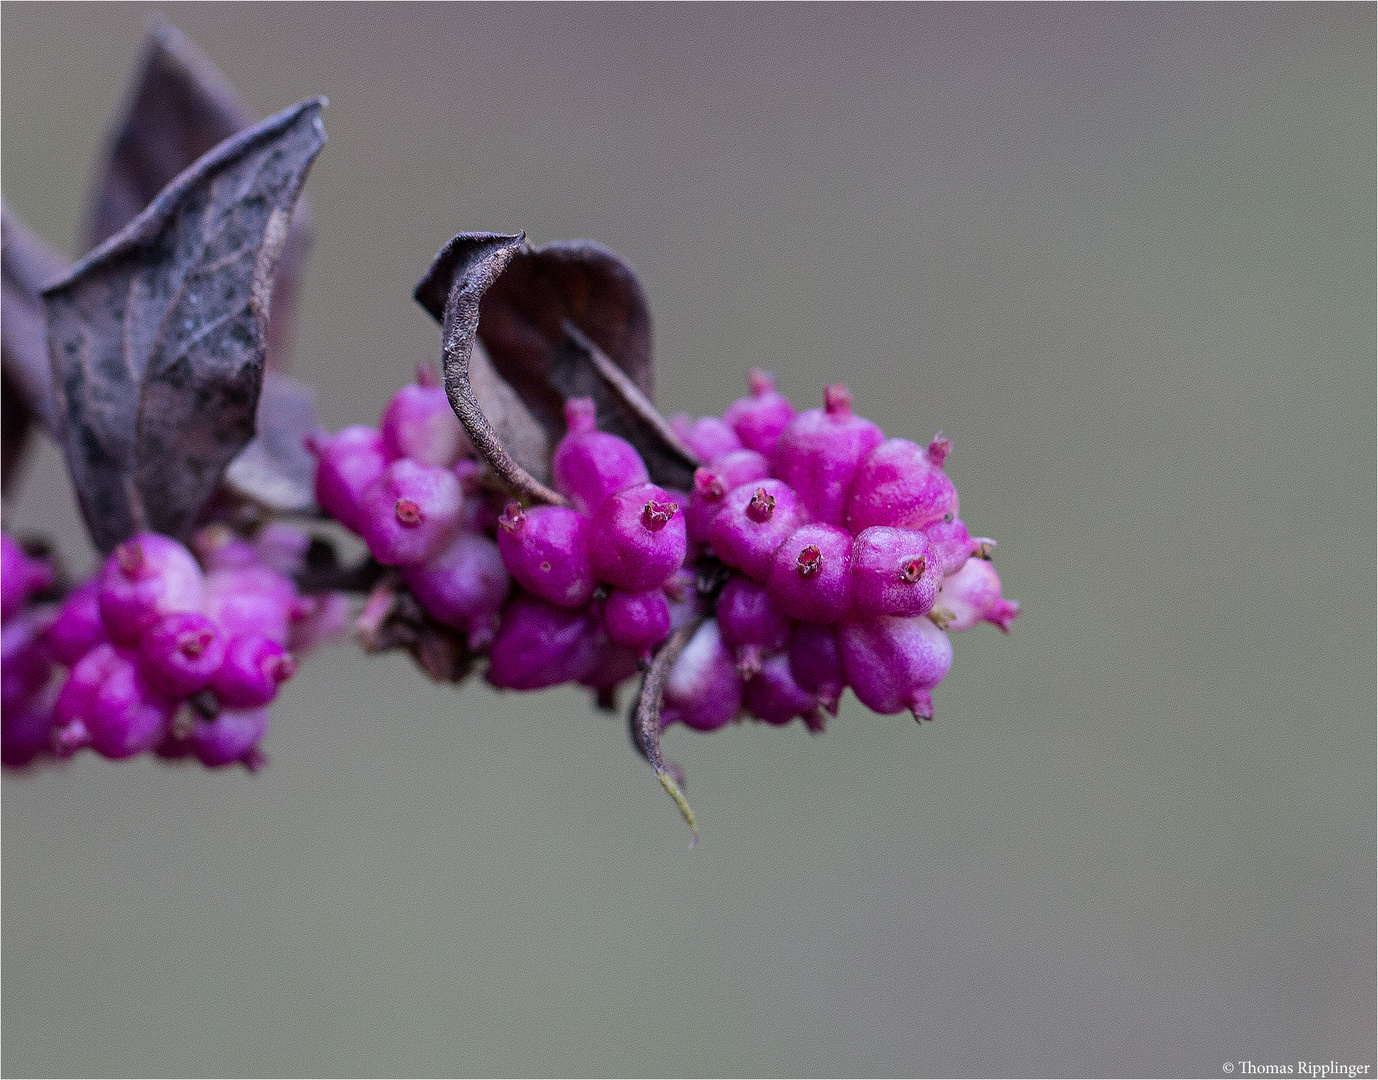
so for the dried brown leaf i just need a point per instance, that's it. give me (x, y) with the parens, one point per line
(179, 106)
(26, 266)
(524, 319)
(157, 338)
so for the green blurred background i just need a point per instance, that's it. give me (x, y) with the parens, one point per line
(1124, 256)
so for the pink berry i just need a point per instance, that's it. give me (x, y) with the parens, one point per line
(683, 596)
(419, 423)
(464, 586)
(898, 485)
(229, 738)
(819, 452)
(637, 539)
(105, 695)
(546, 548)
(808, 576)
(325, 620)
(709, 437)
(282, 547)
(26, 662)
(589, 465)
(145, 578)
(637, 620)
(347, 464)
(26, 732)
(254, 668)
(773, 695)
(894, 572)
(755, 520)
(751, 623)
(972, 595)
(759, 418)
(893, 662)
(78, 627)
(539, 645)
(251, 600)
(20, 577)
(410, 512)
(712, 484)
(954, 545)
(702, 689)
(179, 654)
(816, 663)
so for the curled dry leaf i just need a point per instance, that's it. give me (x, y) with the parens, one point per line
(464, 270)
(566, 320)
(178, 107)
(26, 266)
(157, 338)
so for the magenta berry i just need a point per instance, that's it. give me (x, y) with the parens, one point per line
(709, 437)
(107, 699)
(144, 579)
(972, 595)
(589, 465)
(894, 572)
(419, 423)
(637, 539)
(683, 596)
(26, 732)
(254, 668)
(539, 645)
(410, 512)
(893, 663)
(712, 484)
(702, 689)
(752, 624)
(78, 627)
(819, 452)
(179, 654)
(347, 464)
(953, 545)
(759, 418)
(808, 576)
(229, 738)
(816, 663)
(463, 586)
(898, 485)
(25, 660)
(251, 600)
(773, 695)
(20, 577)
(637, 620)
(755, 520)
(546, 548)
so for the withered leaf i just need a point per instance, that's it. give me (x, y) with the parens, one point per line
(464, 269)
(275, 470)
(26, 266)
(179, 106)
(524, 319)
(157, 337)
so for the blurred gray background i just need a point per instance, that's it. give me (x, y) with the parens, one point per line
(1124, 256)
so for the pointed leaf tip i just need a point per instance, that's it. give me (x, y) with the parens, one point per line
(157, 338)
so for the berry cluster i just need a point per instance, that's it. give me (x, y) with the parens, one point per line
(163, 653)
(814, 553)
(849, 564)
